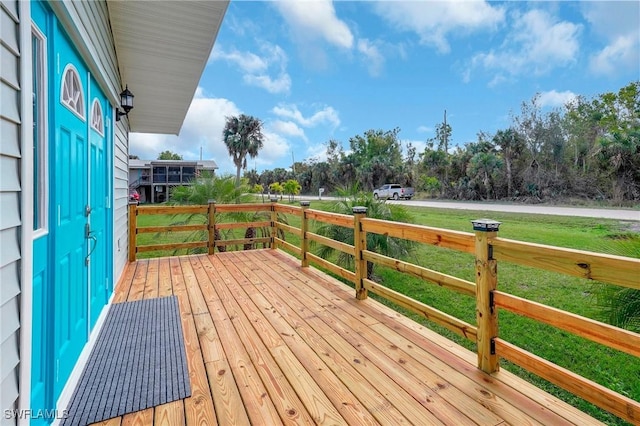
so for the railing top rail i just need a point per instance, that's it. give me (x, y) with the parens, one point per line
(456, 240)
(619, 270)
(330, 217)
(164, 209)
(283, 208)
(249, 207)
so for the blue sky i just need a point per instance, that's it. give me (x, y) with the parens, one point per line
(319, 70)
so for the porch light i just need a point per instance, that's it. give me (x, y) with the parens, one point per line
(126, 102)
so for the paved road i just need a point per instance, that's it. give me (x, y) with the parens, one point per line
(619, 214)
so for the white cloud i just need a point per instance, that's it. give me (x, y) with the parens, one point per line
(417, 144)
(280, 84)
(202, 127)
(536, 43)
(326, 115)
(424, 129)
(612, 19)
(257, 68)
(618, 26)
(316, 19)
(246, 61)
(544, 40)
(316, 152)
(275, 148)
(622, 52)
(434, 21)
(288, 128)
(240, 26)
(373, 57)
(554, 98)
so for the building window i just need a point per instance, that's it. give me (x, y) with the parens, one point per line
(71, 92)
(97, 122)
(40, 144)
(160, 174)
(188, 173)
(174, 174)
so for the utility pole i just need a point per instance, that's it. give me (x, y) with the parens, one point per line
(446, 153)
(446, 133)
(293, 165)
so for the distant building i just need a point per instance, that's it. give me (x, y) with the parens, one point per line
(153, 179)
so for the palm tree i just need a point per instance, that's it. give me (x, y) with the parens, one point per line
(619, 306)
(510, 144)
(377, 209)
(224, 191)
(243, 136)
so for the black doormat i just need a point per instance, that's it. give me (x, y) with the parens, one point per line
(138, 362)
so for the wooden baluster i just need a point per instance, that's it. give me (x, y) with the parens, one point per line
(133, 229)
(360, 243)
(304, 226)
(274, 222)
(486, 282)
(212, 226)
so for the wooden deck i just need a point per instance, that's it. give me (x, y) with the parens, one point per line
(269, 343)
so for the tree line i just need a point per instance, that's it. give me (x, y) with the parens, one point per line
(589, 149)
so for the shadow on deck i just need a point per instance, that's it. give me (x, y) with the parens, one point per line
(269, 342)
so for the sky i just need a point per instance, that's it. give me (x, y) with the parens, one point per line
(319, 70)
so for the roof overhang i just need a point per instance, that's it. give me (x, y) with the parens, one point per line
(162, 48)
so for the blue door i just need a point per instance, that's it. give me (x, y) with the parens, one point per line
(98, 260)
(72, 265)
(70, 192)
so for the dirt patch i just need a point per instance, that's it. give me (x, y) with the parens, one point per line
(630, 226)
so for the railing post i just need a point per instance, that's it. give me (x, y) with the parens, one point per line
(304, 226)
(360, 244)
(486, 282)
(133, 229)
(274, 222)
(212, 226)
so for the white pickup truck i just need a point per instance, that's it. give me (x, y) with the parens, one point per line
(393, 190)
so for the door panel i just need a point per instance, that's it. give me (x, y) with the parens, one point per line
(70, 169)
(100, 244)
(70, 296)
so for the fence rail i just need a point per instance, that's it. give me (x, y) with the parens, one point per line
(484, 244)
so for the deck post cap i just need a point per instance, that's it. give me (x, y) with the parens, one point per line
(359, 209)
(274, 199)
(305, 203)
(211, 201)
(486, 225)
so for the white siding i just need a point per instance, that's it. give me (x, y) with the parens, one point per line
(10, 230)
(121, 200)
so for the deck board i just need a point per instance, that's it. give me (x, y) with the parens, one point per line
(269, 342)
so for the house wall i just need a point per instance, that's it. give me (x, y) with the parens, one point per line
(83, 21)
(10, 196)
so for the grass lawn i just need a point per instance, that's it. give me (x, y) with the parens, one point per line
(608, 367)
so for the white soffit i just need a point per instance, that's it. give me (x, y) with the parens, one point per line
(162, 48)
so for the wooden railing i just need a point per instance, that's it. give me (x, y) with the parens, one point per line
(210, 227)
(488, 250)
